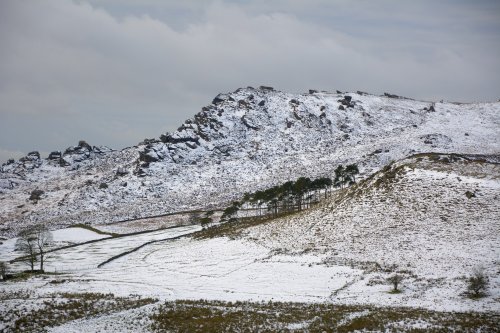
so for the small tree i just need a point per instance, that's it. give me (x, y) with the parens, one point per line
(33, 243)
(395, 280)
(43, 241)
(26, 244)
(3, 270)
(477, 283)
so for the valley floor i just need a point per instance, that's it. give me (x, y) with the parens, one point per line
(230, 270)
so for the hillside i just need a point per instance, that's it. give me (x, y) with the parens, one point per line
(432, 217)
(245, 140)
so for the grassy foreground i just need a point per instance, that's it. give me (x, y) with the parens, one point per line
(217, 316)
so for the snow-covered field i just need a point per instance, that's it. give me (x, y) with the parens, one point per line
(414, 218)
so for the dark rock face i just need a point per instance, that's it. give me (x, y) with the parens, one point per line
(294, 101)
(168, 138)
(148, 156)
(266, 88)
(84, 145)
(55, 155)
(148, 141)
(312, 91)
(262, 103)
(218, 99)
(391, 95)
(347, 102)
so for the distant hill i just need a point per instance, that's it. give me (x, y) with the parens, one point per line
(243, 141)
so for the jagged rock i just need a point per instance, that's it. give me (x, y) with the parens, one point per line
(348, 98)
(339, 92)
(149, 141)
(10, 161)
(55, 155)
(312, 91)
(84, 144)
(218, 99)
(168, 138)
(262, 103)
(431, 108)
(148, 156)
(31, 156)
(265, 88)
(242, 103)
(121, 171)
(391, 95)
(247, 124)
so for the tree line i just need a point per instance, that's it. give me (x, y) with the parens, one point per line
(292, 195)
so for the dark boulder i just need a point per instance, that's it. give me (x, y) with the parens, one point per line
(391, 95)
(312, 91)
(262, 103)
(266, 88)
(341, 107)
(348, 98)
(218, 99)
(34, 155)
(84, 145)
(55, 155)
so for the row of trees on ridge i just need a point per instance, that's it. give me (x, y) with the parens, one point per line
(292, 195)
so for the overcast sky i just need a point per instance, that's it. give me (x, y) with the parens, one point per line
(114, 72)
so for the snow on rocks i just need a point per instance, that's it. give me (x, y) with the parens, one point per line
(246, 140)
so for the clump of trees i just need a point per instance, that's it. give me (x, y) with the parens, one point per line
(33, 243)
(292, 195)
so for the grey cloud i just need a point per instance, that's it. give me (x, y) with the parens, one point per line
(114, 72)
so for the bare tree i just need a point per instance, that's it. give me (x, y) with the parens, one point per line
(3, 269)
(43, 241)
(33, 243)
(395, 280)
(26, 244)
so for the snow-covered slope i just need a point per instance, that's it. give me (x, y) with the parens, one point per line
(433, 218)
(243, 141)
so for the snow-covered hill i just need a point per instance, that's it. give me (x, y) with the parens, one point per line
(243, 141)
(432, 218)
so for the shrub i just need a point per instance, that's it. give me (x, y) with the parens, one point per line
(395, 280)
(477, 284)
